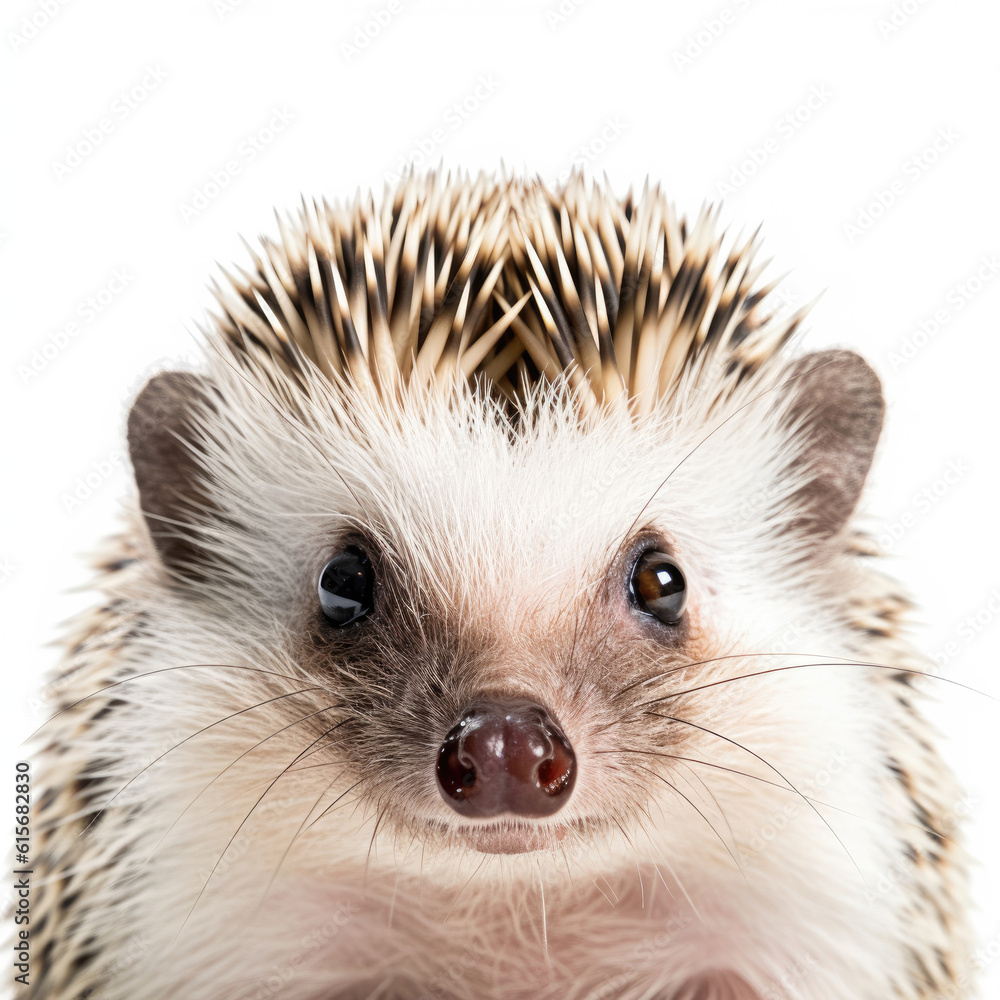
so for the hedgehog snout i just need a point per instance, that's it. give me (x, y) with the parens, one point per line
(506, 756)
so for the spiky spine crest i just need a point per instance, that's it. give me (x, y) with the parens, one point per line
(508, 283)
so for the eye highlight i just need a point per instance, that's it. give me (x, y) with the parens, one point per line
(657, 587)
(347, 587)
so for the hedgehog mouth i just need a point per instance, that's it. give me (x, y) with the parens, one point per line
(510, 836)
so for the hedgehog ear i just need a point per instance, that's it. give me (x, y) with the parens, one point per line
(162, 443)
(836, 405)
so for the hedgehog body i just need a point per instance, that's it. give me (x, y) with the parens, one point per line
(503, 398)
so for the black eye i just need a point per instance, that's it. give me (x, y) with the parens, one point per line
(657, 587)
(347, 587)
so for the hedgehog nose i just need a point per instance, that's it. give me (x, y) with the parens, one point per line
(506, 756)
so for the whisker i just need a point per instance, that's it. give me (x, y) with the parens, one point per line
(379, 816)
(827, 663)
(680, 885)
(643, 682)
(625, 836)
(454, 902)
(243, 822)
(603, 893)
(718, 427)
(278, 732)
(395, 893)
(767, 763)
(305, 818)
(150, 673)
(322, 747)
(696, 760)
(204, 729)
(569, 873)
(670, 784)
(333, 803)
(846, 660)
(773, 784)
(718, 805)
(545, 923)
(312, 767)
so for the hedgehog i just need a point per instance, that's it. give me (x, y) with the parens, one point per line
(493, 619)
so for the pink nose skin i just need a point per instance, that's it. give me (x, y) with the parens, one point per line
(506, 757)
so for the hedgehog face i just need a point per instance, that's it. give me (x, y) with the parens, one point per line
(524, 666)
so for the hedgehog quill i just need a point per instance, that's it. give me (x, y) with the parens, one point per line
(491, 620)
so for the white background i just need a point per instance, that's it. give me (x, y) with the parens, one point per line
(695, 95)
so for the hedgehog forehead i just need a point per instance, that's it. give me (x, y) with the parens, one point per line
(468, 507)
(473, 510)
(476, 515)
